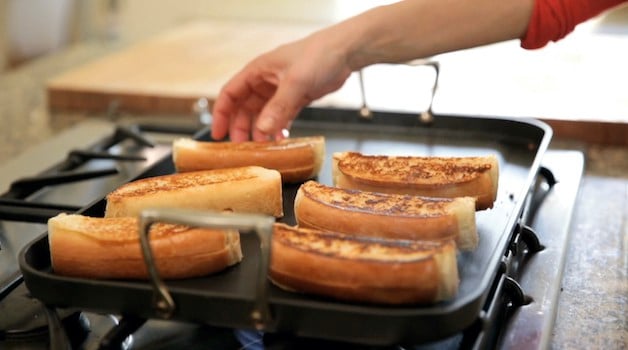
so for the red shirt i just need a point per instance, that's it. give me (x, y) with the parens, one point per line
(552, 20)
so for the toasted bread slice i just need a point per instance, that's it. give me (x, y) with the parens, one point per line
(106, 248)
(246, 190)
(363, 269)
(297, 159)
(386, 215)
(446, 177)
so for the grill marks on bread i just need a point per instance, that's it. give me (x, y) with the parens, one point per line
(442, 177)
(297, 159)
(374, 202)
(123, 230)
(362, 269)
(412, 170)
(249, 189)
(351, 247)
(303, 142)
(109, 248)
(175, 182)
(386, 215)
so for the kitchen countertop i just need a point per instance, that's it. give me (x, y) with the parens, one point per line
(593, 309)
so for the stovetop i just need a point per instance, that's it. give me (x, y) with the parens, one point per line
(115, 154)
(526, 309)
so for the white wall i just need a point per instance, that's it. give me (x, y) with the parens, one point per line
(35, 27)
(29, 28)
(3, 35)
(139, 17)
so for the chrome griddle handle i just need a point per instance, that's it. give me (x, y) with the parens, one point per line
(365, 111)
(425, 117)
(262, 225)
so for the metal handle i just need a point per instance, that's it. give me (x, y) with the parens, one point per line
(262, 225)
(427, 117)
(365, 111)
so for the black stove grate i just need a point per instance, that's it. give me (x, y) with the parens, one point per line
(25, 202)
(17, 205)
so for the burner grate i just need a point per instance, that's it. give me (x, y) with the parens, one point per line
(76, 181)
(19, 202)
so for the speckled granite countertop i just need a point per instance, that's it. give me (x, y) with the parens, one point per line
(593, 309)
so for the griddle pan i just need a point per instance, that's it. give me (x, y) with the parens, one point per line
(227, 298)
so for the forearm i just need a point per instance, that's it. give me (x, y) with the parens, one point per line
(267, 94)
(413, 29)
(552, 20)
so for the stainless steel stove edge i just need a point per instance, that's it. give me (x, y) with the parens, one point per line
(531, 325)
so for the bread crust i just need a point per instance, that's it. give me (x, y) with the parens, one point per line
(109, 248)
(385, 215)
(446, 177)
(362, 269)
(297, 159)
(249, 189)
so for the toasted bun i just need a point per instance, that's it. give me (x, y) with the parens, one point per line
(363, 269)
(297, 159)
(385, 215)
(446, 177)
(105, 248)
(245, 190)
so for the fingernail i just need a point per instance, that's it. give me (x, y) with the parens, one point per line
(265, 125)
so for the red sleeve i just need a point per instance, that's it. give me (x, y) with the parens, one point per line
(552, 20)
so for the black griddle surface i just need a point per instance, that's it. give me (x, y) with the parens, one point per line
(227, 298)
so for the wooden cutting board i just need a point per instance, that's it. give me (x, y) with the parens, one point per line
(168, 73)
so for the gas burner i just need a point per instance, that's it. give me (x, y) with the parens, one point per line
(28, 322)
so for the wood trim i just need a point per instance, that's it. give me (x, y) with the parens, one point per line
(63, 100)
(597, 132)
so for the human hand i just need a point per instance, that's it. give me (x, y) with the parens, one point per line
(267, 94)
(262, 99)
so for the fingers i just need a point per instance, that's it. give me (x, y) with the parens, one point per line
(226, 105)
(257, 103)
(281, 110)
(221, 115)
(253, 115)
(240, 127)
(281, 134)
(238, 105)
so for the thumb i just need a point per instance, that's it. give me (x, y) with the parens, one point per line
(280, 110)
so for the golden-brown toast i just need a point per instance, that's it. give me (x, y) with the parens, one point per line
(447, 177)
(363, 269)
(93, 247)
(249, 189)
(386, 215)
(297, 159)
